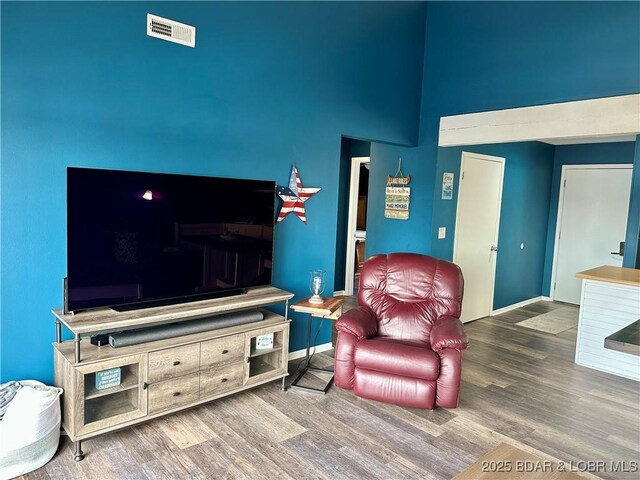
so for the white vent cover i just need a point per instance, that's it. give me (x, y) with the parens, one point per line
(171, 31)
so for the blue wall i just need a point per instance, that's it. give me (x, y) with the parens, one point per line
(523, 215)
(493, 55)
(386, 235)
(587, 154)
(529, 209)
(268, 85)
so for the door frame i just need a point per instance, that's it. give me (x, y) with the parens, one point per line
(563, 178)
(501, 161)
(352, 218)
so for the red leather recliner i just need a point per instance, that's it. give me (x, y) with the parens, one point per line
(403, 343)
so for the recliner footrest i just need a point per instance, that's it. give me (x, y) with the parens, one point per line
(403, 391)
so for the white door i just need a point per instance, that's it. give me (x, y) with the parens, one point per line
(476, 236)
(592, 221)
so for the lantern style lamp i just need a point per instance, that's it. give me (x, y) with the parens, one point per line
(316, 285)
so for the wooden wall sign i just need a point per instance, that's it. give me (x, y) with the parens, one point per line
(397, 195)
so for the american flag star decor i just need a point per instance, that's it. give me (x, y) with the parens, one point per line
(294, 196)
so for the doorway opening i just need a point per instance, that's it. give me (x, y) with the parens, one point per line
(352, 214)
(356, 222)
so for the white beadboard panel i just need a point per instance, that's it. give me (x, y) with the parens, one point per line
(622, 320)
(596, 343)
(629, 369)
(623, 305)
(608, 321)
(624, 299)
(611, 290)
(590, 332)
(599, 332)
(605, 309)
(613, 307)
(604, 331)
(594, 285)
(611, 366)
(611, 315)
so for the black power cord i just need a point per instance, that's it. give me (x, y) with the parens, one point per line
(315, 338)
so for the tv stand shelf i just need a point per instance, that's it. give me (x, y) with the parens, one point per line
(164, 376)
(109, 320)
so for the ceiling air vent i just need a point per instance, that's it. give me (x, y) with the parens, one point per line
(171, 31)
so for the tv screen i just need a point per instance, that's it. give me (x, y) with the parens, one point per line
(135, 238)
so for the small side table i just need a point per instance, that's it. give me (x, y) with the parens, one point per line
(330, 309)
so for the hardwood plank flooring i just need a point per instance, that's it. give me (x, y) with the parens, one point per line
(519, 387)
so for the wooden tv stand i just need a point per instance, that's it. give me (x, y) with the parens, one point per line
(164, 376)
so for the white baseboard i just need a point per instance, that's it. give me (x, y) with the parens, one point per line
(301, 353)
(339, 293)
(547, 299)
(508, 308)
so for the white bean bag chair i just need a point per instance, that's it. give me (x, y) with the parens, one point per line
(30, 429)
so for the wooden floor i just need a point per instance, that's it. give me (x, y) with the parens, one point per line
(519, 387)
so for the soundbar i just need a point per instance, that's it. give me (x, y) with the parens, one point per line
(160, 332)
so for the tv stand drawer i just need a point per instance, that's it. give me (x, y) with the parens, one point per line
(221, 351)
(173, 362)
(218, 380)
(173, 393)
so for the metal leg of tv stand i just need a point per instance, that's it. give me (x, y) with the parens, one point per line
(286, 317)
(76, 340)
(79, 455)
(58, 330)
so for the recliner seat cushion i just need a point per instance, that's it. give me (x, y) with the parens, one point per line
(397, 357)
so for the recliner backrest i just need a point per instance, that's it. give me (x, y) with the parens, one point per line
(408, 292)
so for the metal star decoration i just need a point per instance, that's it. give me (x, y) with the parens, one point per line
(294, 196)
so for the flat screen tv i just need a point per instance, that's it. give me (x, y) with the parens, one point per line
(138, 239)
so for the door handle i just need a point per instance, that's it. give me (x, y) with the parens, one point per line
(620, 250)
(494, 248)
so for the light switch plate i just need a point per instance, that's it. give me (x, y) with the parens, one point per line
(442, 232)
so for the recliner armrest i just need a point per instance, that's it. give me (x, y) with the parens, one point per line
(448, 333)
(359, 322)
